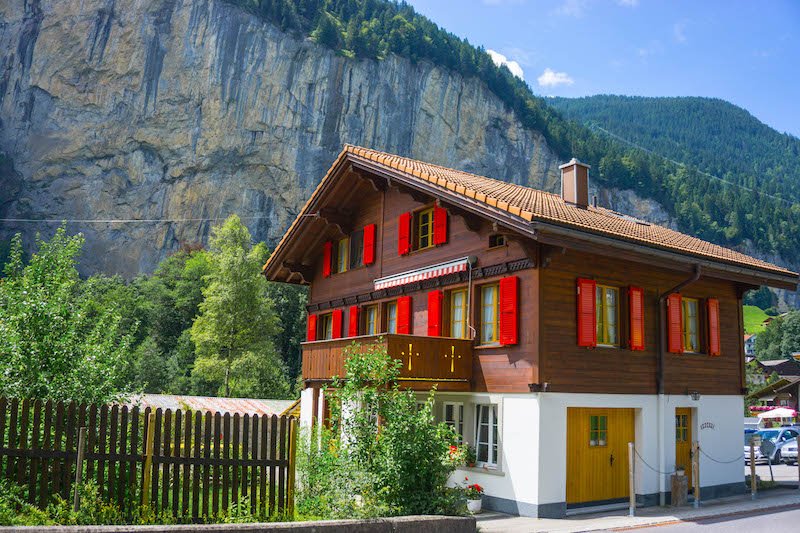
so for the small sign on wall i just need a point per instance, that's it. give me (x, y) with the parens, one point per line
(707, 425)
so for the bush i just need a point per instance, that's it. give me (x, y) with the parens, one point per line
(362, 468)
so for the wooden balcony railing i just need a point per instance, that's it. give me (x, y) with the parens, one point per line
(427, 361)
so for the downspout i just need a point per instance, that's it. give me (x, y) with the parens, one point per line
(662, 352)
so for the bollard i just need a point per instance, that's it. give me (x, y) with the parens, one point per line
(76, 500)
(631, 482)
(753, 483)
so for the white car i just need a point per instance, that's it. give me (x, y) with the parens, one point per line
(778, 436)
(789, 452)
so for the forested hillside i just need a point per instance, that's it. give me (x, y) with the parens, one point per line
(710, 134)
(707, 135)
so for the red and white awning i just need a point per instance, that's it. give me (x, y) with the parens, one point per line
(420, 274)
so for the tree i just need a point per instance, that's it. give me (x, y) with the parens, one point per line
(236, 324)
(55, 341)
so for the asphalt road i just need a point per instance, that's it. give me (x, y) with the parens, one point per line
(786, 520)
(783, 473)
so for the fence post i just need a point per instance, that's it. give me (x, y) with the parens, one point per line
(291, 467)
(76, 501)
(148, 459)
(696, 472)
(753, 483)
(631, 482)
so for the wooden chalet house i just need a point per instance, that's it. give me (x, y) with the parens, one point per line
(555, 331)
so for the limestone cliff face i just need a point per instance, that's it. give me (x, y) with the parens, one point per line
(195, 109)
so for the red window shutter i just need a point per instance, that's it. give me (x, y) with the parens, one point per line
(712, 310)
(352, 329)
(311, 331)
(336, 324)
(327, 250)
(435, 299)
(369, 244)
(674, 323)
(636, 318)
(509, 310)
(587, 318)
(404, 315)
(439, 225)
(404, 234)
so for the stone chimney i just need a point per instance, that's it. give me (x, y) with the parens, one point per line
(575, 183)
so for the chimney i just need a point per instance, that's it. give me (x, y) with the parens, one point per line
(575, 183)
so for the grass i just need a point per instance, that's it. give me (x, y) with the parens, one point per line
(753, 318)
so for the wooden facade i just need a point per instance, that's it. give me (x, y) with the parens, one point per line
(546, 355)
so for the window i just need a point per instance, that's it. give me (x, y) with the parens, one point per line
(458, 314)
(454, 417)
(598, 430)
(423, 222)
(691, 341)
(497, 240)
(342, 254)
(607, 310)
(356, 249)
(681, 428)
(371, 320)
(391, 317)
(325, 326)
(489, 314)
(486, 434)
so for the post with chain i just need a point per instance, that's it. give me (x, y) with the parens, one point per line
(76, 500)
(631, 482)
(696, 473)
(753, 483)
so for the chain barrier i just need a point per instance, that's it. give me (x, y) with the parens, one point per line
(740, 458)
(650, 467)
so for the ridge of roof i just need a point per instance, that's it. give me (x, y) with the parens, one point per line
(535, 205)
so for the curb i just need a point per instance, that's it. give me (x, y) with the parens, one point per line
(698, 518)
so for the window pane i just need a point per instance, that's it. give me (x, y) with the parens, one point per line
(356, 248)
(391, 318)
(488, 314)
(342, 252)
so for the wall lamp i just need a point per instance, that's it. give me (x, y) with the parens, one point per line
(694, 395)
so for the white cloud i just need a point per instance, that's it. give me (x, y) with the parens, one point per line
(571, 8)
(550, 78)
(679, 32)
(499, 59)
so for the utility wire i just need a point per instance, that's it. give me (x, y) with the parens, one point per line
(121, 220)
(678, 163)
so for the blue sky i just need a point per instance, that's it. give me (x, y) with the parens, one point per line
(746, 52)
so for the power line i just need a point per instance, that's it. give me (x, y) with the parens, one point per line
(684, 165)
(121, 220)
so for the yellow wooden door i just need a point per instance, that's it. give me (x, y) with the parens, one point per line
(597, 454)
(683, 440)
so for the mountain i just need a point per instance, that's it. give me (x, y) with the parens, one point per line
(189, 110)
(710, 134)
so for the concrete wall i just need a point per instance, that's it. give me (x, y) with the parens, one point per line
(403, 524)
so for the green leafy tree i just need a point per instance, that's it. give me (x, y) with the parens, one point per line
(55, 342)
(236, 323)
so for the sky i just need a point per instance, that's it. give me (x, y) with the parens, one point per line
(746, 52)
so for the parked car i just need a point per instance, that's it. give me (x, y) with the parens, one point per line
(789, 452)
(780, 437)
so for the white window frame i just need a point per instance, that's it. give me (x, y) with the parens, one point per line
(494, 421)
(457, 423)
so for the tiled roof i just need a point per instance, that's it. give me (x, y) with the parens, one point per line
(535, 205)
(174, 402)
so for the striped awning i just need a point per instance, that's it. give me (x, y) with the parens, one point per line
(420, 274)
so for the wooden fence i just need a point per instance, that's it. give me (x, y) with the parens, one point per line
(201, 463)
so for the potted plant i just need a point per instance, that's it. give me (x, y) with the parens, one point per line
(469, 455)
(680, 470)
(474, 493)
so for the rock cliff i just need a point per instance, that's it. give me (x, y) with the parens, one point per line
(195, 109)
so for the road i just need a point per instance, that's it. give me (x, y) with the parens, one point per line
(785, 520)
(783, 473)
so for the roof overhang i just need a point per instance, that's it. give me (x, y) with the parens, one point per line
(545, 232)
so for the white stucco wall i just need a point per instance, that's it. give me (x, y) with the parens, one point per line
(306, 406)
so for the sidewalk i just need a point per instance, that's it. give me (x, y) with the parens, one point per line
(491, 522)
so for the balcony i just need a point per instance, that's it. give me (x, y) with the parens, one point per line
(427, 361)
